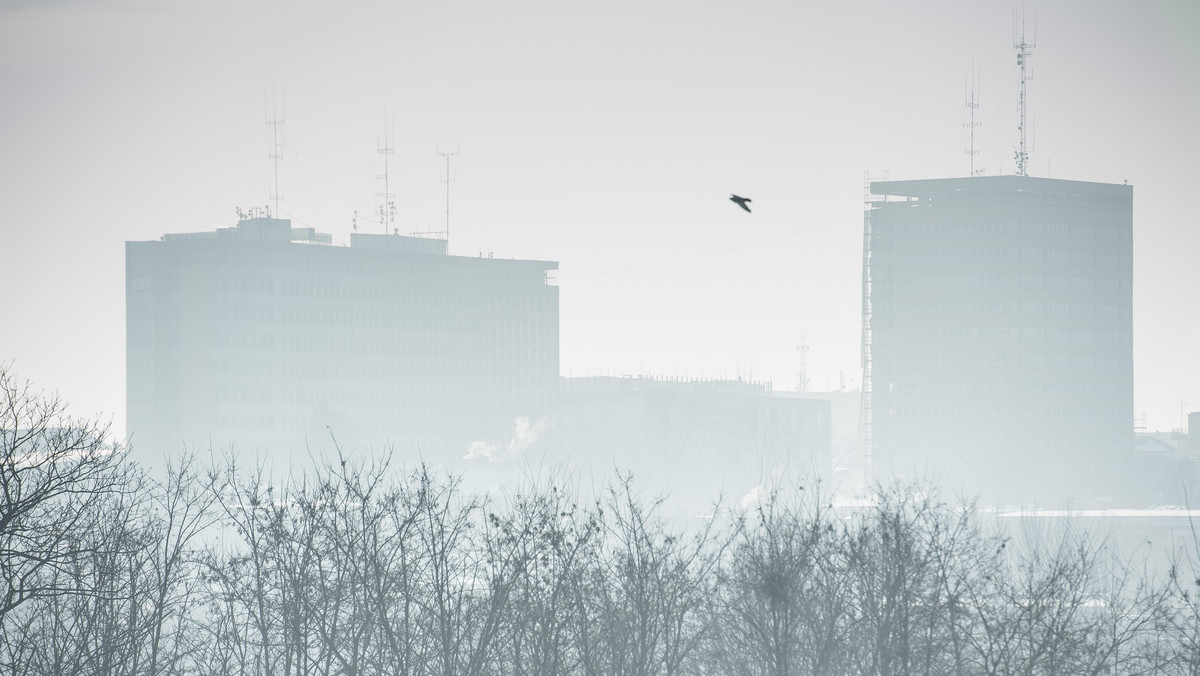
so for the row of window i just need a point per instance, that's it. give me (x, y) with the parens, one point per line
(392, 427)
(1008, 280)
(386, 373)
(397, 400)
(995, 227)
(139, 309)
(1006, 360)
(958, 414)
(1009, 306)
(137, 365)
(391, 371)
(244, 367)
(952, 334)
(1006, 386)
(458, 326)
(952, 441)
(243, 313)
(1000, 252)
(243, 422)
(1103, 259)
(423, 346)
(424, 318)
(223, 283)
(480, 294)
(394, 400)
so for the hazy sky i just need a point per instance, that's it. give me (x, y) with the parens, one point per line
(604, 135)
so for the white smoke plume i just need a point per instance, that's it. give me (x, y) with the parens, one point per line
(524, 436)
(755, 497)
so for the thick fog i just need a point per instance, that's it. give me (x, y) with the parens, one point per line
(605, 138)
(541, 337)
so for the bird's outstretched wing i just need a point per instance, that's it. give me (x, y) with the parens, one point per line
(741, 201)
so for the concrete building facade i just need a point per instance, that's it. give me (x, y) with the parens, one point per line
(267, 338)
(694, 439)
(997, 335)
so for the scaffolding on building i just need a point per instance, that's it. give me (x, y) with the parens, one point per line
(866, 413)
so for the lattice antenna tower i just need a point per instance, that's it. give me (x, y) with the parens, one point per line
(1024, 53)
(275, 139)
(973, 105)
(449, 177)
(387, 200)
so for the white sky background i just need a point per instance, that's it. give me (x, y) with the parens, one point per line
(604, 135)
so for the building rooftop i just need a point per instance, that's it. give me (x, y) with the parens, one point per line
(258, 228)
(255, 227)
(967, 186)
(610, 384)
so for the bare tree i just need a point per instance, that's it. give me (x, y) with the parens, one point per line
(361, 569)
(640, 606)
(370, 568)
(179, 514)
(56, 473)
(911, 558)
(245, 576)
(784, 604)
(546, 538)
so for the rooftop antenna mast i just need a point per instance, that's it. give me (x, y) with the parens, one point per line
(447, 180)
(973, 105)
(387, 205)
(275, 139)
(1024, 52)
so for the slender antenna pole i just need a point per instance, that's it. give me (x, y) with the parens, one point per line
(387, 204)
(447, 180)
(973, 105)
(1024, 52)
(275, 140)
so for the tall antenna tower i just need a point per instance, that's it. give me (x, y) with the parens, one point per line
(973, 105)
(275, 139)
(1024, 52)
(449, 177)
(387, 203)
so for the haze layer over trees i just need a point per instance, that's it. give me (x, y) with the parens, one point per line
(361, 568)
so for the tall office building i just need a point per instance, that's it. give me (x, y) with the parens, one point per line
(267, 338)
(997, 335)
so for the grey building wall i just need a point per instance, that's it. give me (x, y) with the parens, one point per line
(695, 440)
(262, 337)
(999, 335)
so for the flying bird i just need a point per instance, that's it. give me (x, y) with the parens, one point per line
(740, 201)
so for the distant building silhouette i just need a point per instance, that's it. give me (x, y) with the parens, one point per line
(266, 337)
(998, 335)
(1168, 464)
(696, 439)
